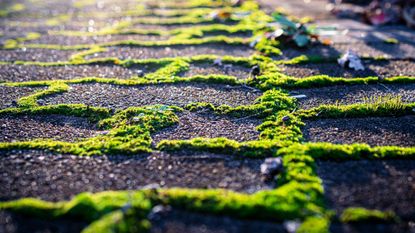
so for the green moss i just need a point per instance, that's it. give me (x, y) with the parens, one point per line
(382, 106)
(356, 214)
(315, 225)
(31, 100)
(79, 110)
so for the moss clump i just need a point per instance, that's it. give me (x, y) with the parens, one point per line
(356, 214)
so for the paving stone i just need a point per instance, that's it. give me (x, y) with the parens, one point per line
(58, 177)
(10, 95)
(19, 73)
(373, 184)
(91, 40)
(177, 221)
(209, 125)
(174, 51)
(121, 97)
(351, 94)
(239, 72)
(39, 55)
(375, 131)
(56, 127)
(381, 68)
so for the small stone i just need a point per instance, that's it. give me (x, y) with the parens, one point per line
(291, 226)
(41, 102)
(158, 211)
(286, 118)
(255, 71)
(217, 62)
(140, 73)
(351, 60)
(152, 186)
(271, 167)
(299, 96)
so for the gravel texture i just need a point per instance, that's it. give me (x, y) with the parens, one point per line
(375, 131)
(57, 177)
(372, 184)
(239, 72)
(57, 127)
(174, 51)
(40, 55)
(176, 221)
(351, 94)
(120, 97)
(10, 95)
(76, 40)
(19, 73)
(209, 125)
(395, 51)
(381, 69)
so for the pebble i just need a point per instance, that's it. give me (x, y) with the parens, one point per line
(272, 167)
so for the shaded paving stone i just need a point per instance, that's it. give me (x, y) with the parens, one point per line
(57, 177)
(315, 9)
(15, 223)
(10, 95)
(19, 73)
(181, 94)
(90, 40)
(382, 68)
(178, 221)
(41, 55)
(404, 226)
(239, 72)
(56, 127)
(375, 131)
(372, 184)
(352, 31)
(351, 94)
(394, 51)
(209, 125)
(174, 51)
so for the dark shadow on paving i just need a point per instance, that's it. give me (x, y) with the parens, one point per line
(372, 227)
(10, 95)
(181, 94)
(124, 52)
(39, 55)
(237, 71)
(178, 221)
(19, 73)
(372, 184)
(351, 94)
(209, 125)
(375, 131)
(57, 177)
(17, 223)
(56, 127)
(381, 68)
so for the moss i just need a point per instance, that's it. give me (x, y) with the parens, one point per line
(328, 151)
(129, 129)
(356, 214)
(79, 110)
(385, 106)
(31, 100)
(315, 225)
